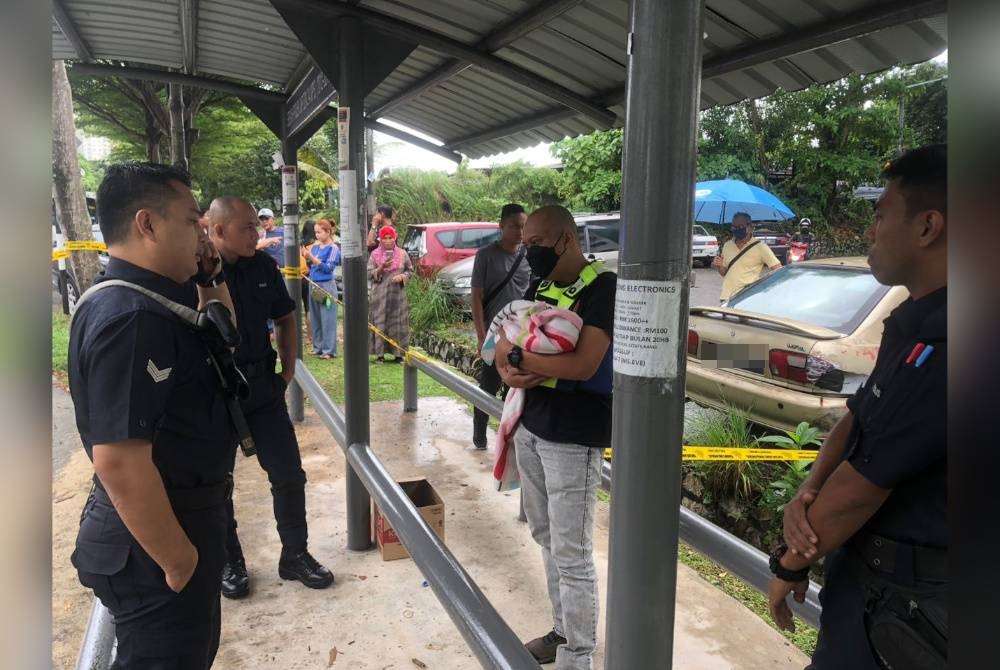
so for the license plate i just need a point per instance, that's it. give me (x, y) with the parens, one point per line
(750, 357)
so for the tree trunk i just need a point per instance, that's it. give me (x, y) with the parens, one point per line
(71, 201)
(178, 142)
(153, 138)
(758, 136)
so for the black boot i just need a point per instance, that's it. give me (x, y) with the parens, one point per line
(235, 580)
(303, 567)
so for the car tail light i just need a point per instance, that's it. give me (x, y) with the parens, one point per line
(713, 243)
(693, 342)
(805, 369)
(782, 241)
(788, 365)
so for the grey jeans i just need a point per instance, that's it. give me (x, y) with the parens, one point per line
(559, 483)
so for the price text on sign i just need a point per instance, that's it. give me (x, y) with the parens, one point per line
(647, 321)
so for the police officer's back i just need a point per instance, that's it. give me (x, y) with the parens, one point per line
(153, 421)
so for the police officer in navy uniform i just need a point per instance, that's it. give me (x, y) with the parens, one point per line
(875, 502)
(259, 294)
(154, 423)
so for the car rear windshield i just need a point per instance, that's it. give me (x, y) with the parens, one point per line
(838, 298)
(411, 242)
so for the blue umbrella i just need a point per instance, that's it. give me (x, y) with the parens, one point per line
(717, 201)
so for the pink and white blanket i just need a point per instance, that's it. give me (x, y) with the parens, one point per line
(539, 328)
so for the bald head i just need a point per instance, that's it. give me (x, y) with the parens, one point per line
(554, 219)
(232, 224)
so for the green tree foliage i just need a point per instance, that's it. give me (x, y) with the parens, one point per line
(591, 178)
(468, 195)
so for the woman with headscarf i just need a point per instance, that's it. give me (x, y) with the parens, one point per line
(389, 268)
(322, 258)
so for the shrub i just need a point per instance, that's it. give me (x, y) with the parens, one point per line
(744, 480)
(431, 307)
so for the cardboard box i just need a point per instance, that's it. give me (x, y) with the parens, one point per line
(429, 505)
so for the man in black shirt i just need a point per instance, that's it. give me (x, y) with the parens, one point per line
(153, 421)
(565, 425)
(875, 501)
(259, 294)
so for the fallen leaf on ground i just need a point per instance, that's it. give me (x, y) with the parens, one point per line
(333, 657)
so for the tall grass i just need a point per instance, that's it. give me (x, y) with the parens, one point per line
(431, 307)
(746, 480)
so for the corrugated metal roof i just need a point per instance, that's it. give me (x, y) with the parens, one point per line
(480, 112)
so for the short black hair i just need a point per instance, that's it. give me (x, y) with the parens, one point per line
(129, 187)
(510, 209)
(923, 178)
(386, 211)
(745, 215)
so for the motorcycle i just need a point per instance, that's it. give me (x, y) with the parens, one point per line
(797, 252)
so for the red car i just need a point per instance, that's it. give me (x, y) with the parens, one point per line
(432, 246)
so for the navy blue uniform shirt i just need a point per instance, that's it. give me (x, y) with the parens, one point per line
(136, 371)
(900, 435)
(259, 293)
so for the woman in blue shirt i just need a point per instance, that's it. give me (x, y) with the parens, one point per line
(322, 258)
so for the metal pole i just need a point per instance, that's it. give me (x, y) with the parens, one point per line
(350, 124)
(664, 74)
(97, 650)
(290, 220)
(409, 388)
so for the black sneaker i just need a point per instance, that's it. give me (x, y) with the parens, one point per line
(235, 580)
(304, 568)
(544, 648)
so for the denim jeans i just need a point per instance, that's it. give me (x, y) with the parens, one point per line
(559, 483)
(324, 321)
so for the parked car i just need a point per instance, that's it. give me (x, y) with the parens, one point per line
(704, 247)
(773, 236)
(792, 346)
(598, 237)
(64, 281)
(432, 246)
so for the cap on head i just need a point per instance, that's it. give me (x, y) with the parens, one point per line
(265, 213)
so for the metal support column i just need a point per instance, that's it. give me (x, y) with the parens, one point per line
(350, 121)
(409, 388)
(664, 74)
(290, 221)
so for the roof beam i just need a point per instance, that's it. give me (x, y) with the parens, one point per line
(825, 33)
(414, 140)
(451, 47)
(188, 11)
(299, 73)
(166, 77)
(516, 27)
(70, 32)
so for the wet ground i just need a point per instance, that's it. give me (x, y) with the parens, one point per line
(379, 614)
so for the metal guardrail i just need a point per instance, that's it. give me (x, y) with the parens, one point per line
(488, 635)
(97, 650)
(738, 557)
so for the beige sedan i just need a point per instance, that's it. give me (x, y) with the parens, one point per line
(792, 346)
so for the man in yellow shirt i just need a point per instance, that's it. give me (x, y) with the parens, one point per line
(743, 258)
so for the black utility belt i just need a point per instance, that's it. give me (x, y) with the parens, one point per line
(185, 500)
(923, 564)
(257, 368)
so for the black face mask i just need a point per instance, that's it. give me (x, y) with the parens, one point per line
(740, 233)
(542, 260)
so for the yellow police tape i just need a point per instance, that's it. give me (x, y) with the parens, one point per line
(87, 245)
(690, 453)
(292, 273)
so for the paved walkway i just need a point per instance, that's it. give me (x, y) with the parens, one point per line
(379, 615)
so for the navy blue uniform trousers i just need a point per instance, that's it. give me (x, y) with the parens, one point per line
(843, 642)
(278, 453)
(156, 628)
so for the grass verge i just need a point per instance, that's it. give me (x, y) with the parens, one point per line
(60, 343)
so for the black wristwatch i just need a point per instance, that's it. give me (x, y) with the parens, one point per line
(217, 280)
(515, 356)
(783, 573)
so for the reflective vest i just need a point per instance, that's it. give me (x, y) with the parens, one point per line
(565, 297)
